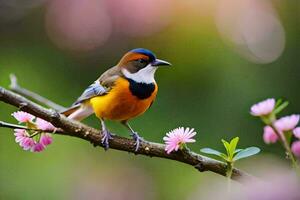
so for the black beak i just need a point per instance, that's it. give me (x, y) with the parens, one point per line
(158, 62)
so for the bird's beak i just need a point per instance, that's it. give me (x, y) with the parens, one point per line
(158, 62)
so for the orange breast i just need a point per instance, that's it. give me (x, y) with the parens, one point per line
(120, 104)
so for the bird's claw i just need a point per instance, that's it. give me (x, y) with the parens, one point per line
(137, 140)
(105, 138)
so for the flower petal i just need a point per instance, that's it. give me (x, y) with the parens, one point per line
(263, 108)
(23, 117)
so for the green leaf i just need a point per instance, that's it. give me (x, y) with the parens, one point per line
(214, 152)
(232, 146)
(280, 107)
(250, 151)
(211, 151)
(278, 102)
(226, 145)
(237, 150)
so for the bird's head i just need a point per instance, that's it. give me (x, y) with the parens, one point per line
(140, 65)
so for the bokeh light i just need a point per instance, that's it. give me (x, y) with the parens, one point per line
(137, 18)
(78, 24)
(252, 27)
(225, 54)
(270, 183)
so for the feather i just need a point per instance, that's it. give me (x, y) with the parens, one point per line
(95, 89)
(81, 113)
(101, 86)
(70, 110)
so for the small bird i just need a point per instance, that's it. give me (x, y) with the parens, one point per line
(123, 92)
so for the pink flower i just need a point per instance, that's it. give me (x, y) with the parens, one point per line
(20, 135)
(263, 108)
(269, 135)
(44, 125)
(177, 137)
(27, 143)
(23, 117)
(32, 140)
(46, 139)
(287, 123)
(23, 139)
(296, 148)
(38, 147)
(296, 132)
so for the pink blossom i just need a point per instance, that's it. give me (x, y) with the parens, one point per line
(296, 132)
(23, 117)
(38, 147)
(46, 139)
(20, 135)
(28, 139)
(269, 135)
(296, 148)
(287, 123)
(23, 139)
(177, 137)
(263, 108)
(27, 143)
(44, 125)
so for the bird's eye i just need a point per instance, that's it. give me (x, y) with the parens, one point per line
(141, 61)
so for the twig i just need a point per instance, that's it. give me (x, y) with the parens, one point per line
(14, 86)
(80, 130)
(16, 126)
(287, 148)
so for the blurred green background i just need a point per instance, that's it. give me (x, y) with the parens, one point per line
(215, 78)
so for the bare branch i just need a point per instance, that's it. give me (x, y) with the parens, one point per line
(14, 86)
(80, 130)
(16, 126)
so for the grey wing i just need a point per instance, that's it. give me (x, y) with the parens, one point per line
(108, 78)
(102, 85)
(95, 89)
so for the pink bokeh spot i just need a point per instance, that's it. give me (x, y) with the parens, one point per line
(252, 27)
(177, 137)
(78, 25)
(137, 18)
(296, 132)
(269, 135)
(296, 148)
(263, 108)
(287, 123)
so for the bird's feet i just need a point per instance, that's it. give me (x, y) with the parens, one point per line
(137, 140)
(105, 138)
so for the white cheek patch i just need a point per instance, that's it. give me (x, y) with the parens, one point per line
(145, 75)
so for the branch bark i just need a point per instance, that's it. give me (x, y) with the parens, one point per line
(14, 86)
(80, 130)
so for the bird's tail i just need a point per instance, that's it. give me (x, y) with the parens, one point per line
(78, 112)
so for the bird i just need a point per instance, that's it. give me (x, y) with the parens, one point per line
(121, 93)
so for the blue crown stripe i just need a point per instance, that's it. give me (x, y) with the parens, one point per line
(146, 52)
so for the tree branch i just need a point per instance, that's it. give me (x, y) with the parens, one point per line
(14, 86)
(80, 130)
(16, 126)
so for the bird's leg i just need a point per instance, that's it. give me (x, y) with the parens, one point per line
(106, 135)
(134, 135)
